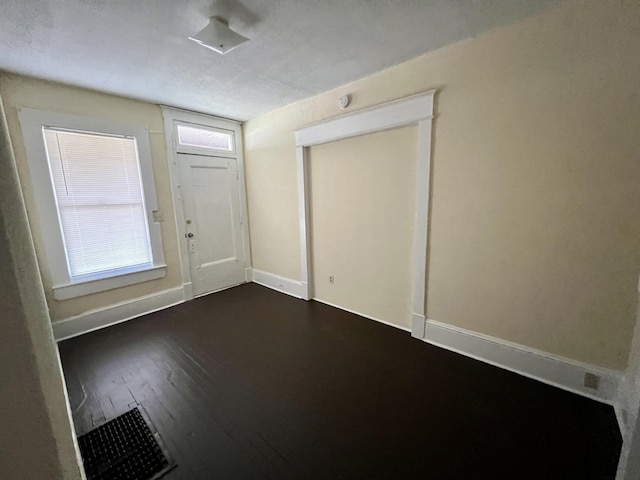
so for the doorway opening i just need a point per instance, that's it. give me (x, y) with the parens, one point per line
(207, 181)
(414, 110)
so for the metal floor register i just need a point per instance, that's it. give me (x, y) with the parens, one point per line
(123, 448)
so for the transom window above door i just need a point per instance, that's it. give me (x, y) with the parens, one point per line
(204, 140)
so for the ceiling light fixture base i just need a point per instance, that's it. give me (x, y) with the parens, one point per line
(217, 36)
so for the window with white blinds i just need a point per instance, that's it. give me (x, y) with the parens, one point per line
(92, 180)
(98, 189)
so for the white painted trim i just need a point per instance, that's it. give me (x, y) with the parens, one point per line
(72, 290)
(395, 114)
(629, 392)
(248, 274)
(306, 292)
(172, 116)
(121, 312)
(629, 461)
(74, 437)
(32, 122)
(399, 327)
(172, 158)
(554, 370)
(191, 116)
(188, 291)
(628, 410)
(278, 283)
(624, 404)
(416, 109)
(418, 324)
(421, 221)
(303, 219)
(621, 417)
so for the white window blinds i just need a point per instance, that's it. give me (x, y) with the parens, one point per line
(98, 189)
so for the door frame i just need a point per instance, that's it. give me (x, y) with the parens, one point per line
(413, 110)
(173, 116)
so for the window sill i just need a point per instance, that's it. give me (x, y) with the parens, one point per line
(79, 289)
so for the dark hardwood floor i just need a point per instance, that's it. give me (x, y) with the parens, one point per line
(253, 384)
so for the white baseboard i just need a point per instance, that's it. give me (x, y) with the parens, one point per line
(418, 323)
(306, 293)
(551, 369)
(621, 417)
(104, 317)
(406, 329)
(299, 290)
(278, 283)
(188, 291)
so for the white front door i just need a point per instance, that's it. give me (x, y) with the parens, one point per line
(213, 221)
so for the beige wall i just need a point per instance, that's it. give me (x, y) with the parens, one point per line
(36, 440)
(20, 91)
(534, 228)
(362, 223)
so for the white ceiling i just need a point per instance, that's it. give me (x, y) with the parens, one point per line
(298, 48)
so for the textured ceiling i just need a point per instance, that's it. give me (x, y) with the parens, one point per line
(298, 48)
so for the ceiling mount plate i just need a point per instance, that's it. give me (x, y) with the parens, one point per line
(217, 36)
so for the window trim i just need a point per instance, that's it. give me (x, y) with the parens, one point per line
(64, 287)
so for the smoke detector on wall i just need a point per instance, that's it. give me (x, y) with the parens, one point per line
(218, 37)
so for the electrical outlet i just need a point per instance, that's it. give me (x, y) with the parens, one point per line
(591, 380)
(331, 279)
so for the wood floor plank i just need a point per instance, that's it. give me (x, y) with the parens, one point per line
(252, 384)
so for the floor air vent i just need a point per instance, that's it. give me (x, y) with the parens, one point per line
(123, 448)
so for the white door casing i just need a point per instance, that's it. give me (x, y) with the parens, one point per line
(413, 110)
(211, 203)
(229, 165)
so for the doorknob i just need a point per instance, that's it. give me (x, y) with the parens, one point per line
(190, 235)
